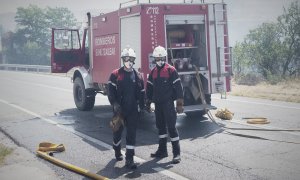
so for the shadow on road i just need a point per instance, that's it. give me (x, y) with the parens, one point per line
(114, 172)
(95, 123)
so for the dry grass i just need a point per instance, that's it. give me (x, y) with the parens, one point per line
(284, 91)
(4, 151)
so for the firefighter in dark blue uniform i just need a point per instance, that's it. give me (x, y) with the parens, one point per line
(126, 95)
(163, 87)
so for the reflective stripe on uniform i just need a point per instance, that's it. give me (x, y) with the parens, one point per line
(163, 136)
(117, 144)
(129, 147)
(178, 79)
(109, 82)
(175, 138)
(143, 90)
(150, 83)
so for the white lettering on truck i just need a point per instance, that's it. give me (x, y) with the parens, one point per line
(152, 10)
(153, 13)
(104, 42)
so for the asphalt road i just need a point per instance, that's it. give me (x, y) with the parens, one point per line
(39, 107)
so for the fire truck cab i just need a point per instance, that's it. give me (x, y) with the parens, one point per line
(194, 34)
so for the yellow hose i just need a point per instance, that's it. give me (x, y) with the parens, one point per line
(258, 121)
(45, 146)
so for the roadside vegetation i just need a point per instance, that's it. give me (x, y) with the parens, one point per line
(30, 43)
(270, 52)
(266, 64)
(4, 151)
(288, 90)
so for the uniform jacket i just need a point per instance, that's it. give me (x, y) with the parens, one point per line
(116, 88)
(164, 84)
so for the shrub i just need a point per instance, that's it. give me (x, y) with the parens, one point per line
(248, 79)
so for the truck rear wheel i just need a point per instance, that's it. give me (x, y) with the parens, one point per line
(84, 99)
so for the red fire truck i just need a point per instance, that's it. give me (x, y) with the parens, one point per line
(194, 34)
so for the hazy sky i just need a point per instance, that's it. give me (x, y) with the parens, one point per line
(242, 14)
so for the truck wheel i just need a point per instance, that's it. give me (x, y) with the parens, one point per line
(83, 100)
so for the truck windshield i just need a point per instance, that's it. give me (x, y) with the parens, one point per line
(66, 39)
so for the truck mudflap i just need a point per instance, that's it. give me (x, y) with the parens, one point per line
(198, 107)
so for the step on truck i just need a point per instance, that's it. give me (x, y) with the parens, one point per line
(195, 35)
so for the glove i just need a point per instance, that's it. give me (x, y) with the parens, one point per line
(179, 106)
(116, 108)
(148, 106)
(116, 122)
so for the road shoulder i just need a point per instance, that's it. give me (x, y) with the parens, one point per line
(21, 164)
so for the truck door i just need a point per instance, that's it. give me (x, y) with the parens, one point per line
(66, 50)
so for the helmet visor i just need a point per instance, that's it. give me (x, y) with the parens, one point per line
(160, 59)
(128, 58)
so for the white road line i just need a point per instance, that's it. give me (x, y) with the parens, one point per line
(249, 102)
(41, 85)
(51, 87)
(96, 141)
(28, 112)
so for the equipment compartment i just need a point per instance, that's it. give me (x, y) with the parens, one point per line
(187, 46)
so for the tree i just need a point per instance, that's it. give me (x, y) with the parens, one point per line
(290, 25)
(31, 24)
(241, 63)
(59, 18)
(272, 49)
(32, 39)
(266, 49)
(260, 52)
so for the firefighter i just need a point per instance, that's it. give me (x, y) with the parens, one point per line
(163, 87)
(126, 95)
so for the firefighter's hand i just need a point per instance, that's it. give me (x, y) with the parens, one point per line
(179, 106)
(148, 106)
(116, 108)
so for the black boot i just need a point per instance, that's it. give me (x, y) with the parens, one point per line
(118, 154)
(176, 152)
(162, 149)
(129, 159)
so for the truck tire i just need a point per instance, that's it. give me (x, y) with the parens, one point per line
(83, 99)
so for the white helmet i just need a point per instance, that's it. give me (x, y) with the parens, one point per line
(159, 51)
(128, 52)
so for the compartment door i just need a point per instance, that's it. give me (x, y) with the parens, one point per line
(131, 36)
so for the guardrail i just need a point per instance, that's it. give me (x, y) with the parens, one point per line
(24, 67)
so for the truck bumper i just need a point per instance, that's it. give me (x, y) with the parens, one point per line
(198, 107)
